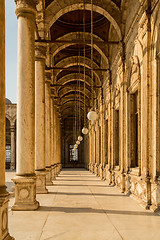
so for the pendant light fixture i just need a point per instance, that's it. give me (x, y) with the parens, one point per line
(80, 138)
(77, 142)
(92, 115)
(84, 129)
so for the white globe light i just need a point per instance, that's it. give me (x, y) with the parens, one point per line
(80, 138)
(75, 145)
(84, 130)
(77, 142)
(92, 115)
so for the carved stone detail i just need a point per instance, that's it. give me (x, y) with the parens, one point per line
(25, 194)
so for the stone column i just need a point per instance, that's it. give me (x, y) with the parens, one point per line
(40, 51)
(97, 147)
(25, 181)
(122, 111)
(13, 147)
(102, 141)
(48, 128)
(146, 110)
(3, 193)
(55, 139)
(57, 143)
(59, 122)
(90, 145)
(110, 166)
(52, 139)
(92, 149)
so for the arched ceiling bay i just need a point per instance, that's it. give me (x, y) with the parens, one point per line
(64, 25)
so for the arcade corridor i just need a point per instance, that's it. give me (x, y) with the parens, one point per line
(81, 206)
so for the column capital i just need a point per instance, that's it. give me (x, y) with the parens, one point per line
(25, 6)
(40, 51)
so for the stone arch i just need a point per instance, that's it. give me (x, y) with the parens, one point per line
(73, 100)
(64, 91)
(72, 61)
(104, 7)
(9, 118)
(57, 48)
(72, 77)
(71, 97)
(70, 105)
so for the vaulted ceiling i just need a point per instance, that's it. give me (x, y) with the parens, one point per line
(69, 29)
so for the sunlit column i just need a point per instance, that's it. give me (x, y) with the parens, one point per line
(40, 52)
(25, 181)
(3, 193)
(55, 140)
(52, 139)
(48, 77)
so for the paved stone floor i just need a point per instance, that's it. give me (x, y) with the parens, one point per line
(82, 207)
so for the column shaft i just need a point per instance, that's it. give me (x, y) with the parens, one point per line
(25, 182)
(55, 142)
(2, 97)
(3, 193)
(52, 140)
(40, 119)
(48, 129)
(26, 94)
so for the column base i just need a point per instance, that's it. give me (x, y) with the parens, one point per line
(96, 169)
(49, 177)
(108, 176)
(25, 194)
(41, 182)
(4, 235)
(155, 195)
(56, 170)
(53, 173)
(127, 184)
(92, 168)
(59, 168)
(101, 172)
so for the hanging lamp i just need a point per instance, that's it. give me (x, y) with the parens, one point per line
(92, 115)
(77, 142)
(80, 138)
(84, 129)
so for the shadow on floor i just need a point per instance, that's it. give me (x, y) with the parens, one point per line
(80, 185)
(92, 210)
(75, 180)
(88, 194)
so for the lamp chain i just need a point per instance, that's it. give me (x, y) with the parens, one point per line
(84, 29)
(92, 51)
